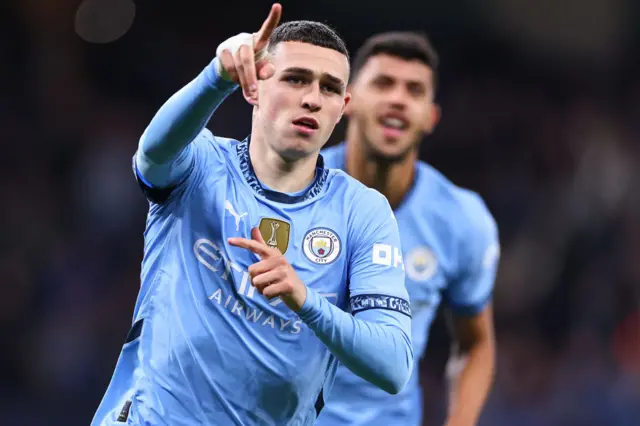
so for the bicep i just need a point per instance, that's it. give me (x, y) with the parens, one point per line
(470, 296)
(166, 174)
(159, 180)
(377, 277)
(470, 329)
(472, 290)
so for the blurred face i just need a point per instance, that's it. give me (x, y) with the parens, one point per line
(299, 106)
(392, 105)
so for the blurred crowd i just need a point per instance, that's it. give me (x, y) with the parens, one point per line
(555, 156)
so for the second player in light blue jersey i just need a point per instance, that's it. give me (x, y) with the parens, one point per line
(261, 267)
(449, 238)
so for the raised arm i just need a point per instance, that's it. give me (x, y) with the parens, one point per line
(163, 157)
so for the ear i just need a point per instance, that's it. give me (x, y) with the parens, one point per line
(345, 106)
(432, 119)
(254, 101)
(348, 105)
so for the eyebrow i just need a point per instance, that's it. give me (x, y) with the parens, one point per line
(412, 82)
(308, 73)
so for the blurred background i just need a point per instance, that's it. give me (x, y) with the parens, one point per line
(541, 116)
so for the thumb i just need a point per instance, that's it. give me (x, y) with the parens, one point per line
(257, 236)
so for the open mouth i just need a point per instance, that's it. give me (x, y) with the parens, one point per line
(393, 122)
(307, 122)
(394, 126)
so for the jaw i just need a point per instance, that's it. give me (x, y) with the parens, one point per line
(381, 148)
(293, 147)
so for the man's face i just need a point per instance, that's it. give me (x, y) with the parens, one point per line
(393, 105)
(299, 106)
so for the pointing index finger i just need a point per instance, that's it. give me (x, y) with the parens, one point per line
(270, 24)
(252, 245)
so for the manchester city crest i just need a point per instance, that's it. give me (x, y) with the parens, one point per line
(321, 246)
(421, 264)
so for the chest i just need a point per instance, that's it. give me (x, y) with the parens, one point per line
(310, 235)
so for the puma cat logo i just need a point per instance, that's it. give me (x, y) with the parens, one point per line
(238, 217)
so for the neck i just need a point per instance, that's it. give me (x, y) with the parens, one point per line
(392, 179)
(277, 173)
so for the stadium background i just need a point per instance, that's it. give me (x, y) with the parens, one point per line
(541, 116)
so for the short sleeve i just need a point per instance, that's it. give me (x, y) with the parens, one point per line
(376, 268)
(472, 289)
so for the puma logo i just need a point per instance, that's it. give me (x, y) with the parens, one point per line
(238, 217)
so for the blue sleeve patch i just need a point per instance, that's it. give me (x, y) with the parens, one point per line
(364, 302)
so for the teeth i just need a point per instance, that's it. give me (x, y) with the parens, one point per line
(305, 123)
(395, 123)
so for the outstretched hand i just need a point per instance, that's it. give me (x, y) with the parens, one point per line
(273, 276)
(243, 57)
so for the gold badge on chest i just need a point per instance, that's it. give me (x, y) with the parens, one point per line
(275, 232)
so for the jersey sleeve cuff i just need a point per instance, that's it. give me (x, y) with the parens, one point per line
(215, 81)
(469, 309)
(311, 307)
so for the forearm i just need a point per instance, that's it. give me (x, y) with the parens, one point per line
(375, 346)
(179, 121)
(470, 374)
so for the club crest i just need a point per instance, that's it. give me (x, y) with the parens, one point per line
(421, 264)
(321, 246)
(275, 233)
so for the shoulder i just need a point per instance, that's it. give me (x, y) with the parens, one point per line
(208, 142)
(364, 208)
(359, 195)
(333, 156)
(464, 210)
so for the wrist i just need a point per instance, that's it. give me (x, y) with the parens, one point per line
(310, 306)
(301, 298)
(296, 300)
(218, 78)
(220, 71)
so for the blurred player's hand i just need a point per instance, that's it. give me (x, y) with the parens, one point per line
(273, 276)
(243, 57)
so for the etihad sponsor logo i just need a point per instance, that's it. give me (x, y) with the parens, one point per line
(255, 315)
(216, 260)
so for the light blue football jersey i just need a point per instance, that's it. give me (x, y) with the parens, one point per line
(451, 252)
(206, 348)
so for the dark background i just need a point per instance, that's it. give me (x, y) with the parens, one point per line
(541, 116)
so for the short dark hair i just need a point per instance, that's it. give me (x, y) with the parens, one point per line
(311, 32)
(406, 45)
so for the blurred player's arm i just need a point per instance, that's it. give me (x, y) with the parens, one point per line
(163, 157)
(374, 341)
(471, 367)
